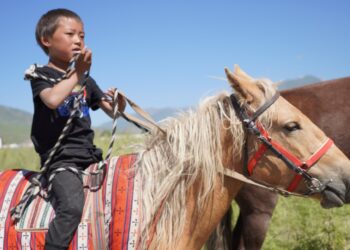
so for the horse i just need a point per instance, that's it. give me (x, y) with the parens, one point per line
(321, 102)
(189, 172)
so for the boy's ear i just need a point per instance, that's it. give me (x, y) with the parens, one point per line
(45, 41)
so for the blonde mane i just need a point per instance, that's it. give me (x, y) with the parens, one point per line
(171, 164)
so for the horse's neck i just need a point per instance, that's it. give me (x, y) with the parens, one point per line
(189, 166)
(200, 224)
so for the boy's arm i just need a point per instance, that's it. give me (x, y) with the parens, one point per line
(53, 97)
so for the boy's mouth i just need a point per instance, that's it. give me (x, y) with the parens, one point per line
(77, 50)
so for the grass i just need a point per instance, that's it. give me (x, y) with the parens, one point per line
(297, 223)
(302, 224)
(19, 158)
(27, 158)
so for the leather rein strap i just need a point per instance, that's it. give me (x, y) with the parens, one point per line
(253, 127)
(147, 125)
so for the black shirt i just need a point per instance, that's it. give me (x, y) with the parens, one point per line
(77, 146)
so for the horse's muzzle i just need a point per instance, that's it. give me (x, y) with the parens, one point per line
(333, 196)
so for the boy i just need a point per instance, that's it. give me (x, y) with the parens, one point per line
(60, 33)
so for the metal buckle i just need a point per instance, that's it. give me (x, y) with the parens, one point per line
(315, 185)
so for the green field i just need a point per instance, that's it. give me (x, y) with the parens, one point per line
(297, 223)
(301, 224)
(26, 158)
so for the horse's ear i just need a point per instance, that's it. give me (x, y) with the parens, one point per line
(239, 72)
(239, 84)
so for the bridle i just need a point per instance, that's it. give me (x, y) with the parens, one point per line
(255, 128)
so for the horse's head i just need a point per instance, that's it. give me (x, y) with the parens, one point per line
(296, 155)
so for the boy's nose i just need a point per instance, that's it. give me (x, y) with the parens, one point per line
(77, 39)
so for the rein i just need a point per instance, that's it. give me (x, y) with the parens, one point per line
(148, 125)
(253, 127)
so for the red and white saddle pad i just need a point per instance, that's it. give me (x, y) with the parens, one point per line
(110, 219)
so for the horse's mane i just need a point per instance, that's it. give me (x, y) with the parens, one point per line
(171, 163)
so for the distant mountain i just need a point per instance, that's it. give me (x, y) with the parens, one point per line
(15, 125)
(298, 82)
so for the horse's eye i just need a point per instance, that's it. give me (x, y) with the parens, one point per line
(292, 126)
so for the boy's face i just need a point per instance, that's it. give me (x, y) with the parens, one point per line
(67, 40)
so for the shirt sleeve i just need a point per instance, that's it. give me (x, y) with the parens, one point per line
(96, 94)
(39, 85)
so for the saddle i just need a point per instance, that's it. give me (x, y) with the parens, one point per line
(110, 217)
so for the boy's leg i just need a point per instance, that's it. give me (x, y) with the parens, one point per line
(67, 188)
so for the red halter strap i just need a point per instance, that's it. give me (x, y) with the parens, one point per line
(305, 165)
(310, 162)
(254, 128)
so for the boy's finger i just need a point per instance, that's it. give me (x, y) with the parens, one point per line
(88, 55)
(107, 99)
(110, 92)
(88, 51)
(83, 51)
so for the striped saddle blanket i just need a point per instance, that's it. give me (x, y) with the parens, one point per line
(110, 218)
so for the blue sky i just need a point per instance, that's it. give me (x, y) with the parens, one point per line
(162, 53)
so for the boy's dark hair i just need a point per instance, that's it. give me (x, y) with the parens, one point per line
(48, 23)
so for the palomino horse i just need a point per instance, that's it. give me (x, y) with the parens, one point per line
(183, 173)
(327, 105)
